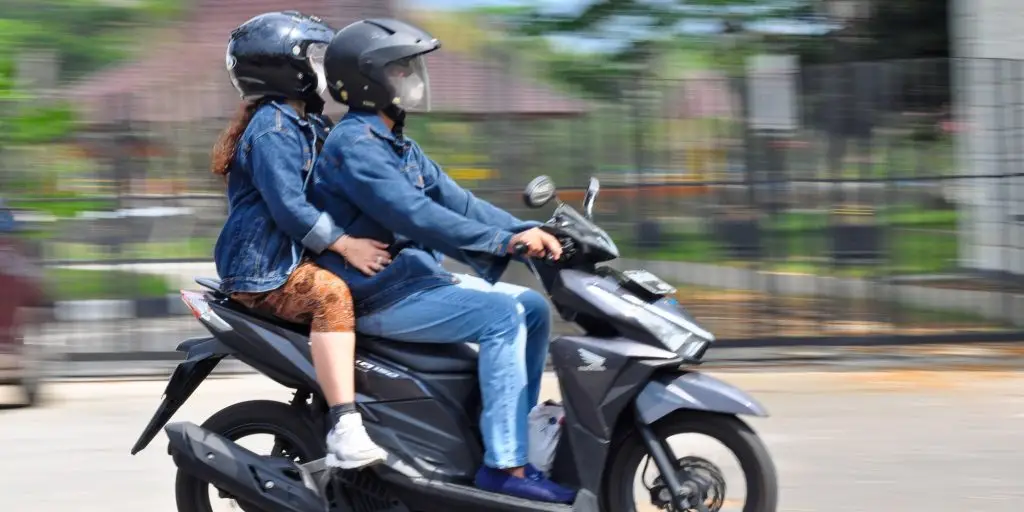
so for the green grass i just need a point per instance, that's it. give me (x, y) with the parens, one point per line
(69, 207)
(74, 284)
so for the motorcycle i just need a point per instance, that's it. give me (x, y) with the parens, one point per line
(627, 385)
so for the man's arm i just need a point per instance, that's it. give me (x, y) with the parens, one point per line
(444, 190)
(370, 178)
(277, 162)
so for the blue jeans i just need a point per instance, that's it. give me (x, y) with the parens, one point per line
(511, 323)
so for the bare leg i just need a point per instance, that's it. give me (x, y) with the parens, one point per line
(349, 447)
(334, 360)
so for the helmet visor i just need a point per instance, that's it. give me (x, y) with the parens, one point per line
(229, 63)
(315, 55)
(411, 83)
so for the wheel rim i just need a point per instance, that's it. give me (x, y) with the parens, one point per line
(272, 441)
(704, 464)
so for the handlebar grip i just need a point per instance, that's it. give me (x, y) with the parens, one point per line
(520, 248)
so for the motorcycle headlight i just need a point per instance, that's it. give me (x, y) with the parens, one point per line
(677, 338)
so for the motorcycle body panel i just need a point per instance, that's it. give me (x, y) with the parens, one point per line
(203, 355)
(269, 483)
(427, 420)
(693, 391)
(275, 351)
(599, 378)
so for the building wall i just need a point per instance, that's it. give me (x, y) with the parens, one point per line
(988, 39)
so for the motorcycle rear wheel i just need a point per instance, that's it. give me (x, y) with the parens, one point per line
(758, 469)
(291, 432)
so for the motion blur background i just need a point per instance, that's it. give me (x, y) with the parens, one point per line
(809, 173)
(829, 183)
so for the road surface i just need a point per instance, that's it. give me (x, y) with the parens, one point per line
(843, 442)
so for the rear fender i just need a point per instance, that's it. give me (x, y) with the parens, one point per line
(695, 392)
(203, 355)
(267, 483)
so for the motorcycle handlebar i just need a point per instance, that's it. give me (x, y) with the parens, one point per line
(521, 248)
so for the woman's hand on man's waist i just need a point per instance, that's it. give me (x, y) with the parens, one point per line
(365, 254)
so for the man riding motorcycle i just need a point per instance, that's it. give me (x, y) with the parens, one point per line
(378, 184)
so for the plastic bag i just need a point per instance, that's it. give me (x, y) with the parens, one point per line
(545, 430)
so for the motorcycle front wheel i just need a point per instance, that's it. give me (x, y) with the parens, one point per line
(630, 456)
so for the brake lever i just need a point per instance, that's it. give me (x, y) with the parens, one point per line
(520, 249)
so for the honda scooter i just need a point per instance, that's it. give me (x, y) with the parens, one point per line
(627, 383)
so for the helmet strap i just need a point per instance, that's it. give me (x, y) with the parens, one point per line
(397, 115)
(314, 103)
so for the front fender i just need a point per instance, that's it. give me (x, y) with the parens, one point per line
(696, 392)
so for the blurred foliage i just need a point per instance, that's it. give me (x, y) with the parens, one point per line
(646, 40)
(86, 34)
(37, 124)
(74, 284)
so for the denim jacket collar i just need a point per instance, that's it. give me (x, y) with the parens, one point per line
(289, 112)
(375, 123)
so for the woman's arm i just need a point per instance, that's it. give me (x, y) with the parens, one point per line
(277, 164)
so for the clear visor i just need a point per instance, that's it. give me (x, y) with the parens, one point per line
(315, 55)
(411, 83)
(229, 63)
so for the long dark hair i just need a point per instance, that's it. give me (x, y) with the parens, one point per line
(226, 147)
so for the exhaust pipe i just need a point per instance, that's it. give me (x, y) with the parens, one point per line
(268, 483)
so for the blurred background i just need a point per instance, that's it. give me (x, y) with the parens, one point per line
(809, 173)
(831, 185)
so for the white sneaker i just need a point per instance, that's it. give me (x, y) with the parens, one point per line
(350, 447)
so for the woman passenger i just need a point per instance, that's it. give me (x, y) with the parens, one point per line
(266, 153)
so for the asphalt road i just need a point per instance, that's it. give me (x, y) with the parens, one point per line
(843, 442)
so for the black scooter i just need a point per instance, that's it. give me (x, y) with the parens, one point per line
(626, 383)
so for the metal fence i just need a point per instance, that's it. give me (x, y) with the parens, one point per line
(858, 203)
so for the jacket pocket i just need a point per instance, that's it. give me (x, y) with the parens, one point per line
(414, 174)
(254, 241)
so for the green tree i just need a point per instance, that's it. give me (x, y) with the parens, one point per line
(646, 37)
(85, 35)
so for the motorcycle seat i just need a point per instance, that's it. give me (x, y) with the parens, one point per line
(418, 357)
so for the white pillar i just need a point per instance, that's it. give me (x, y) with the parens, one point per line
(988, 80)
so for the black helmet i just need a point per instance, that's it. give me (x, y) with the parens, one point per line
(279, 54)
(378, 65)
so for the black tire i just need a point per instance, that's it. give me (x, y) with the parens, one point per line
(737, 436)
(246, 419)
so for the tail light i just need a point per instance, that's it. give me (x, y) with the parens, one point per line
(200, 308)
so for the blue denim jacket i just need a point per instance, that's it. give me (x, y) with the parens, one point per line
(381, 186)
(270, 220)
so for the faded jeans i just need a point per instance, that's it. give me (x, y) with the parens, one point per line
(511, 323)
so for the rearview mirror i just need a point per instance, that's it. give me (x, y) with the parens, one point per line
(539, 192)
(591, 197)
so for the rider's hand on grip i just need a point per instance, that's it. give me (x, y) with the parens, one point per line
(538, 243)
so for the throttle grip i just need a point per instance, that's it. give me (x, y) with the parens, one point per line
(520, 248)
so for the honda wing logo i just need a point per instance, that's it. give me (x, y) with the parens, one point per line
(591, 361)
